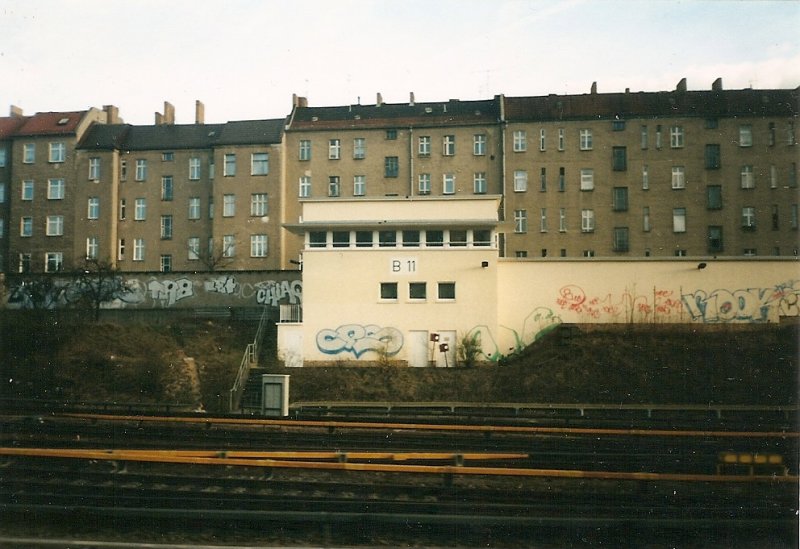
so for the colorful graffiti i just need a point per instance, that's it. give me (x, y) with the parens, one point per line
(744, 305)
(629, 306)
(536, 324)
(358, 339)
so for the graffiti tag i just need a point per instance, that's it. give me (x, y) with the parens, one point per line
(168, 292)
(358, 339)
(271, 292)
(745, 305)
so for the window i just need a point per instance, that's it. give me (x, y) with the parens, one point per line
(481, 237)
(387, 239)
(228, 165)
(458, 238)
(479, 183)
(92, 247)
(29, 153)
(519, 254)
(643, 137)
(363, 239)
(166, 227)
(93, 208)
(27, 190)
(449, 145)
(141, 169)
(54, 262)
(794, 217)
(646, 219)
(3, 154)
(55, 189)
(676, 137)
(388, 290)
(712, 156)
(750, 252)
(620, 199)
(228, 205)
(543, 179)
(678, 177)
(542, 140)
(334, 149)
(333, 185)
(317, 239)
(259, 163)
(24, 263)
(228, 245)
(359, 185)
(140, 209)
(793, 176)
(305, 150)
(168, 156)
(746, 135)
(417, 290)
(123, 170)
(679, 220)
(166, 263)
(586, 140)
(194, 207)
(773, 177)
(619, 159)
(748, 181)
(123, 206)
(714, 197)
(258, 245)
(543, 220)
(587, 179)
(715, 243)
(447, 290)
(424, 183)
(391, 166)
(479, 144)
(55, 225)
(58, 152)
(359, 148)
(2, 193)
(26, 226)
(121, 249)
(520, 141)
(166, 187)
(211, 207)
(771, 138)
(520, 181)
(711, 123)
(411, 239)
(391, 134)
(748, 218)
(520, 221)
(305, 186)
(424, 145)
(775, 217)
(645, 178)
(193, 248)
(621, 243)
(658, 136)
(587, 221)
(94, 169)
(434, 239)
(448, 183)
(138, 249)
(259, 204)
(561, 138)
(562, 220)
(680, 253)
(194, 169)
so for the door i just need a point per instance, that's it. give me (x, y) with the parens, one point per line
(418, 345)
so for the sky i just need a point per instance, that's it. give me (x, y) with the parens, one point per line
(245, 58)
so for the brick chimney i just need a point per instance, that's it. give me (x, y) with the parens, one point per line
(379, 100)
(199, 112)
(411, 99)
(717, 85)
(15, 111)
(681, 87)
(112, 114)
(159, 119)
(169, 113)
(594, 88)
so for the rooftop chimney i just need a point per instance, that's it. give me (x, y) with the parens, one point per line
(15, 111)
(379, 100)
(594, 88)
(411, 99)
(717, 85)
(681, 87)
(199, 112)
(159, 119)
(169, 113)
(298, 101)
(112, 114)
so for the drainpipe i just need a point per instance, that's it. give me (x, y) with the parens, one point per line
(411, 161)
(503, 130)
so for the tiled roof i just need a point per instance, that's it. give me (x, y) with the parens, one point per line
(51, 123)
(386, 115)
(246, 132)
(10, 124)
(714, 103)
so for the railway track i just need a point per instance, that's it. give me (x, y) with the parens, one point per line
(351, 482)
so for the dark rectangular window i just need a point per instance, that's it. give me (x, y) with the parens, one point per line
(481, 237)
(410, 239)
(617, 125)
(363, 239)
(391, 134)
(417, 290)
(621, 243)
(434, 238)
(388, 290)
(620, 199)
(714, 197)
(715, 244)
(619, 158)
(712, 157)
(387, 239)
(458, 238)
(316, 239)
(447, 290)
(562, 180)
(341, 239)
(391, 166)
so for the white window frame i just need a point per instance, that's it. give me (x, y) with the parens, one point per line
(165, 263)
(678, 177)
(479, 144)
(448, 145)
(166, 227)
(194, 207)
(258, 245)
(520, 181)
(676, 137)
(520, 221)
(424, 145)
(29, 153)
(424, 184)
(57, 152)
(140, 209)
(138, 249)
(520, 141)
(94, 169)
(167, 188)
(543, 220)
(259, 204)
(26, 226)
(562, 220)
(586, 139)
(561, 139)
(27, 189)
(479, 183)
(93, 207)
(141, 169)
(229, 246)
(229, 165)
(748, 217)
(542, 140)
(55, 258)
(678, 220)
(259, 163)
(645, 177)
(54, 225)
(304, 150)
(228, 205)
(304, 189)
(448, 183)
(746, 135)
(587, 179)
(334, 149)
(334, 186)
(748, 179)
(193, 248)
(359, 148)
(92, 247)
(194, 168)
(359, 185)
(56, 189)
(587, 221)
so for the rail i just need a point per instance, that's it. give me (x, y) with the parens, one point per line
(249, 357)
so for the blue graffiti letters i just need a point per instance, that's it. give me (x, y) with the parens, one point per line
(358, 339)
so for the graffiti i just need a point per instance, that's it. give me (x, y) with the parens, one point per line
(537, 324)
(168, 292)
(271, 292)
(358, 339)
(745, 305)
(222, 285)
(629, 306)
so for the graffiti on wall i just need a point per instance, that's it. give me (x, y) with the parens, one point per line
(358, 339)
(167, 292)
(744, 305)
(536, 324)
(629, 306)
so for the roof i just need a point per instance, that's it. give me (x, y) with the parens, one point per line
(10, 124)
(451, 113)
(715, 103)
(181, 136)
(51, 123)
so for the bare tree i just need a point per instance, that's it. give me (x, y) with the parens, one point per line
(217, 255)
(95, 283)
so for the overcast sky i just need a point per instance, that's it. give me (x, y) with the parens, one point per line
(245, 58)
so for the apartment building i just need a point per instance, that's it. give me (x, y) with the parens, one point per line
(8, 127)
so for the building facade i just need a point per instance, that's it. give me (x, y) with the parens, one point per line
(618, 175)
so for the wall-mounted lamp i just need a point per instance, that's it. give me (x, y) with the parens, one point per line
(484, 264)
(701, 265)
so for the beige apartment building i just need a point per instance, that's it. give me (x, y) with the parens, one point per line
(614, 175)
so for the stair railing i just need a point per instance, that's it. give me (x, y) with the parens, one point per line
(249, 359)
